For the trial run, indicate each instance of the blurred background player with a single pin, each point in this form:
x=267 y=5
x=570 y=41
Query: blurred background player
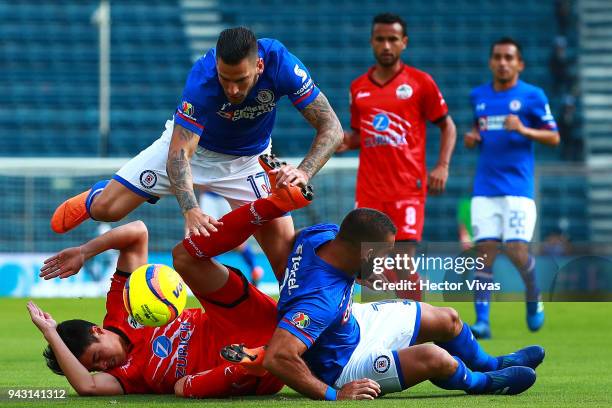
x=222 y=125
x=181 y=357
x=390 y=107
x=216 y=206
x=509 y=116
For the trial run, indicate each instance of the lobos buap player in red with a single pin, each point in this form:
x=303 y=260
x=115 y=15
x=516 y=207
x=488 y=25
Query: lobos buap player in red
x=390 y=107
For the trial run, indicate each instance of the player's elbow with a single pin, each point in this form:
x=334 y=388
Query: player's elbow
x=555 y=139
x=86 y=390
x=275 y=359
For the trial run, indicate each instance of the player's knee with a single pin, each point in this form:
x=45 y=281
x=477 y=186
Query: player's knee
x=180 y=258
x=101 y=209
x=439 y=362
x=448 y=323
x=179 y=387
x=453 y=321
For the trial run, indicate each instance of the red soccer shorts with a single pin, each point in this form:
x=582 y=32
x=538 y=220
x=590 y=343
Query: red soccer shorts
x=407 y=214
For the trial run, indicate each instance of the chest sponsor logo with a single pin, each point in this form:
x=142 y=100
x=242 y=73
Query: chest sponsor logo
x=382 y=364
x=385 y=129
x=249 y=112
x=300 y=73
x=185 y=332
x=381 y=122
x=404 y=91
x=493 y=122
x=301 y=320
x=515 y=105
x=265 y=96
x=162 y=346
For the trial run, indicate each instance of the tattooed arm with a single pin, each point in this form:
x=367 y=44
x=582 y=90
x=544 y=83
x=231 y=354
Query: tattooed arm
x=183 y=145
x=329 y=136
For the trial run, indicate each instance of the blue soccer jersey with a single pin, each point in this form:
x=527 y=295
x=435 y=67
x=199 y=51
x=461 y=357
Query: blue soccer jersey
x=315 y=305
x=506 y=161
x=243 y=129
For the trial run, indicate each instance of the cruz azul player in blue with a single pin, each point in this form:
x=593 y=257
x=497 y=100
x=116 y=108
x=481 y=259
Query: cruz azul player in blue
x=509 y=116
x=222 y=124
x=326 y=347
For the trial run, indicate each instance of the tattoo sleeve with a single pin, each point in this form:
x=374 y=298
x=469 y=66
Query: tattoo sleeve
x=178 y=168
x=329 y=134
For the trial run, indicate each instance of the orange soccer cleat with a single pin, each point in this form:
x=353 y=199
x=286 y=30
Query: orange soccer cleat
x=70 y=213
x=250 y=359
x=285 y=198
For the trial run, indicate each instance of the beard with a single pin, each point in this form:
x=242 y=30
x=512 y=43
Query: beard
x=387 y=61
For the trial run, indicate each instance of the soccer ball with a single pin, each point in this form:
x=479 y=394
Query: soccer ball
x=154 y=295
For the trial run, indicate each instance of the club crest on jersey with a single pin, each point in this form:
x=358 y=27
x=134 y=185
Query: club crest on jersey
x=404 y=91
x=265 y=96
x=382 y=364
x=380 y=122
x=515 y=105
x=162 y=346
x=148 y=179
x=187 y=108
x=300 y=320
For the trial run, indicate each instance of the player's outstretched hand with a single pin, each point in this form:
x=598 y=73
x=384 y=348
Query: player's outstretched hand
x=42 y=320
x=63 y=264
x=359 y=389
x=289 y=175
x=436 y=182
x=198 y=223
x=471 y=139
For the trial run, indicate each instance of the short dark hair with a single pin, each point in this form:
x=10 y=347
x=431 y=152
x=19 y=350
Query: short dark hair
x=507 y=41
x=77 y=336
x=389 y=18
x=235 y=44
x=365 y=225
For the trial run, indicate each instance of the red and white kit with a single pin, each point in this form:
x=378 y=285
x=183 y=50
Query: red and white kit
x=391 y=119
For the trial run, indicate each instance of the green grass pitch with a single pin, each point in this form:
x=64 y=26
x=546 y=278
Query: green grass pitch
x=575 y=373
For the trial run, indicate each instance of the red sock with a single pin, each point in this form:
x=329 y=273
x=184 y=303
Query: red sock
x=416 y=294
x=237 y=226
x=226 y=380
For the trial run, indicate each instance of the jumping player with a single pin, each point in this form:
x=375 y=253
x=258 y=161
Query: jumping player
x=324 y=350
x=390 y=107
x=181 y=357
x=221 y=126
x=509 y=116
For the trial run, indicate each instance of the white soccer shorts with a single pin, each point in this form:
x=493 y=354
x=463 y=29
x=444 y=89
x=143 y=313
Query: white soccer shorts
x=505 y=218
x=239 y=179
x=384 y=327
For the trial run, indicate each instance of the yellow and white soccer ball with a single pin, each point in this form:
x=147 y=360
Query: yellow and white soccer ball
x=154 y=295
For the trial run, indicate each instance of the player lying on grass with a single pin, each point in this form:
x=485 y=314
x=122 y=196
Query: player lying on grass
x=324 y=349
x=182 y=357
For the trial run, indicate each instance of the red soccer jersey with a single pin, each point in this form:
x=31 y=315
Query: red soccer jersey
x=159 y=356
x=391 y=119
